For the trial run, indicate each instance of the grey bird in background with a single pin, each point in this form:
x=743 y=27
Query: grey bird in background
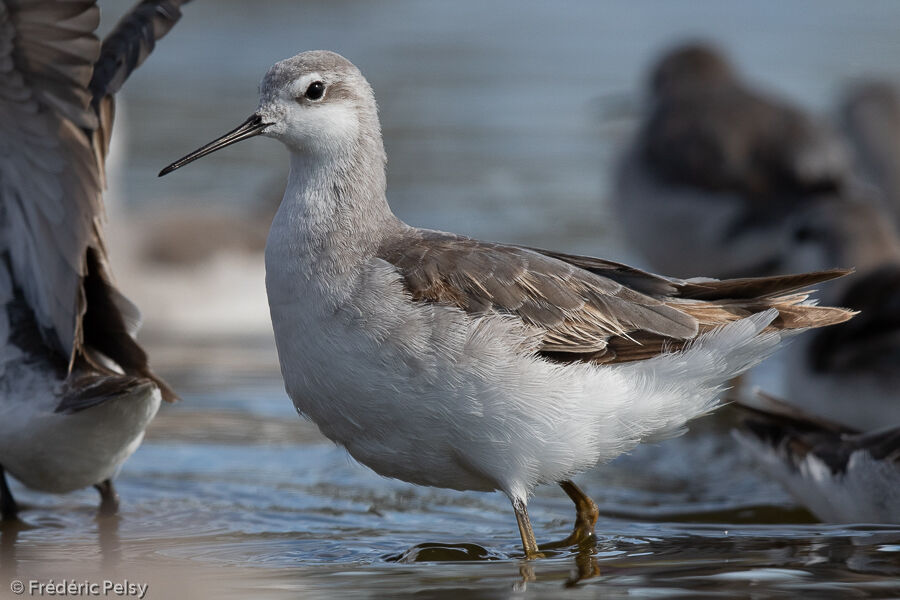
x=717 y=168
x=860 y=359
x=447 y=361
x=851 y=374
x=76 y=390
x=869 y=116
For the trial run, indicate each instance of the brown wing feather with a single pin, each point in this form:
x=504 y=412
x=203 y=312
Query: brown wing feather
x=50 y=187
x=754 y=287
x=584 y=306
x=636 y=279
x=124 y=49
x=579 y=310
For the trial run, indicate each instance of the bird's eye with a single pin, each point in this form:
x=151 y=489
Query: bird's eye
x=315 y=91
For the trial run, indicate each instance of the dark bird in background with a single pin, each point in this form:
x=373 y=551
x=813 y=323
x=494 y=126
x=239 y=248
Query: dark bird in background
x=869 y=116
x=717 y=170
x=732 y=181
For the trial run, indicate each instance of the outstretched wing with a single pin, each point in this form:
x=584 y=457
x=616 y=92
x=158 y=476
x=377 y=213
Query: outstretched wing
x=123 y=51
x=49 y=180
x=588 y=309
x=55 y=117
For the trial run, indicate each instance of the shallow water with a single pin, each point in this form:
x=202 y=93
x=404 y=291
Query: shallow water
x=500 y=120
x=232 y=494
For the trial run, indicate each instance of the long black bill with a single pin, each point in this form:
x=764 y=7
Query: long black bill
x=249 y=128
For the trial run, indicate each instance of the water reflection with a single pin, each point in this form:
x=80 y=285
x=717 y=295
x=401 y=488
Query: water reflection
x=493 y=135
x=109 y=541
x=14 y=542
x=9 y=534
x=290 y=515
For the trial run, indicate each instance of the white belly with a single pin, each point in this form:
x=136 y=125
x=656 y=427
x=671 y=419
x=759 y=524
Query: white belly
x=58 y=453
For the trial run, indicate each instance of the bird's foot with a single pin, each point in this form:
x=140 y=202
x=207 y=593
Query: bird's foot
x=586 y=515
x=579 y=537
x=109 y=499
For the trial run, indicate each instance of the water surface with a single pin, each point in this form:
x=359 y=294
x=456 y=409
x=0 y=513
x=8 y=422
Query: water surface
x=233 y=494
x=501 y=120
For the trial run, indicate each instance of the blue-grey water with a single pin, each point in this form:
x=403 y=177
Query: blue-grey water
x=501 y=120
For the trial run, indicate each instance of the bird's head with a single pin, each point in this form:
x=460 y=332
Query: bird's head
x=316 y=103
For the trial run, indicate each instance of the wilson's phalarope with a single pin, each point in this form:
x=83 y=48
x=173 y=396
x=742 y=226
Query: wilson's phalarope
x=446 y=361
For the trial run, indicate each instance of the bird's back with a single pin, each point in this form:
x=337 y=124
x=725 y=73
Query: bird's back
x=730 y=139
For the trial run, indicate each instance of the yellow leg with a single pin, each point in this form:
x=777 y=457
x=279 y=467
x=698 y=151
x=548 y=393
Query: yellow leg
x=529 y=544
x=586 y=515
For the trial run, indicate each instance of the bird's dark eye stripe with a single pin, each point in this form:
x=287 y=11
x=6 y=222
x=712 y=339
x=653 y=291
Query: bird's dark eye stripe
x=315 y=90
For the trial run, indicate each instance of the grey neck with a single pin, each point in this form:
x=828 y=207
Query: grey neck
x=334 y=214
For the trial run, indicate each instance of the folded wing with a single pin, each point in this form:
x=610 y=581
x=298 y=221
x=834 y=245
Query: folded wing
x=589 y=309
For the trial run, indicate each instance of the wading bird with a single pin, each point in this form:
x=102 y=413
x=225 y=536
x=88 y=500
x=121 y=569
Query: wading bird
x=839 y=473
x=446 y=361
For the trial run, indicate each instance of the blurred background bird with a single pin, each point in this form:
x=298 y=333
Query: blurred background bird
x=76 y=391
x=737 y=181
x=869 y=117
x=840 y=473
x=717 y=170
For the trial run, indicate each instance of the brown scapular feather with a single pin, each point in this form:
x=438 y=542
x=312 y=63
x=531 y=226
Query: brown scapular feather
x=591 y=309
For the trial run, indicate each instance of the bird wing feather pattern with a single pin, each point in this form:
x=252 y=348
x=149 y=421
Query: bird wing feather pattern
x=55 y=118
x=589 y=309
